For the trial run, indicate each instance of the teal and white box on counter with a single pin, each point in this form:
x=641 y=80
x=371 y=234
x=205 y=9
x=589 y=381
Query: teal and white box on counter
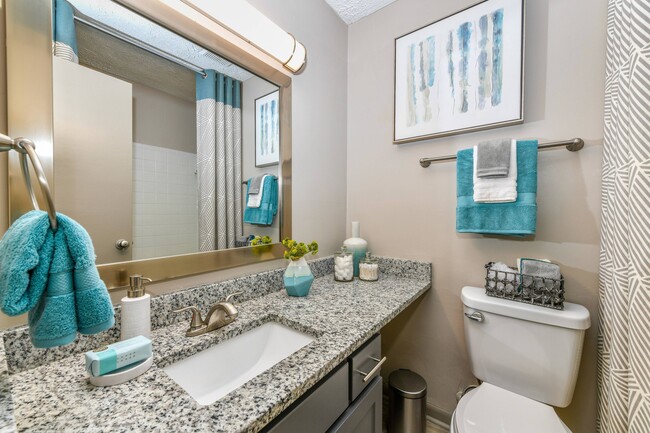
x=118 y=355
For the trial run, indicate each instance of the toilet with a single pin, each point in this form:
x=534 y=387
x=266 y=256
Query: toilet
x=527 y=359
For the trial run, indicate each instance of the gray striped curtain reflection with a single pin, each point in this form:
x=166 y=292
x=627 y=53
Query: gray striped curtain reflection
x=218 y=127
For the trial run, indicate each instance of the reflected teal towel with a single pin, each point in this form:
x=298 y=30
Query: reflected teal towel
x=264 y=214
x=54 y=277
x=518 y=218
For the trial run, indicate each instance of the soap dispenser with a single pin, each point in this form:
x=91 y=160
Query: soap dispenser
x=356 y=246
x=136 y=309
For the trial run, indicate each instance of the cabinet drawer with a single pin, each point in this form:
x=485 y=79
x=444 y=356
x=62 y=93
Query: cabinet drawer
x=361 y=365
x=318 y=411
x=364 y=414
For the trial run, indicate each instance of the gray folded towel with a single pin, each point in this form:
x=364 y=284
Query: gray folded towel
x=493 y=158
x=539 y=268
x=255 y=183
x=503 y=277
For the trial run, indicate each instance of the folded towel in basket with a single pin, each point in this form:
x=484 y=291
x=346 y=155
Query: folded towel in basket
x=502 y=277
x=531 y=268
x=52 y=275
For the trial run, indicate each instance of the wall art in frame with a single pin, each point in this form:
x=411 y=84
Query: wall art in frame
x=462 y=73
x=267 y=129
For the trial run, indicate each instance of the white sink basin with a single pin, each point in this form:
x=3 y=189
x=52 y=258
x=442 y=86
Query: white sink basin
x=214 y=372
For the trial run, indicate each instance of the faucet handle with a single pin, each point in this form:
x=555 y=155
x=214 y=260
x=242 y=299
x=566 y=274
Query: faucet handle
x=232 y=295
x=197 y=321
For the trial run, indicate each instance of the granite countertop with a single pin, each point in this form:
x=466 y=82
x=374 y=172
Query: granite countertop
x=52 y=393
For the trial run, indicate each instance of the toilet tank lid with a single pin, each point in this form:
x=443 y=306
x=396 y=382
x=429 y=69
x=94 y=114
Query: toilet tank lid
x=573 y=316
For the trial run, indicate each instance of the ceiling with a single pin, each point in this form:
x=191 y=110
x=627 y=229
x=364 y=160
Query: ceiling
x=351 y=11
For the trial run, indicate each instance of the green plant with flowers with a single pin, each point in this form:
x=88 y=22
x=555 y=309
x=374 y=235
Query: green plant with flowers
x=264 y=240
x=296 y=250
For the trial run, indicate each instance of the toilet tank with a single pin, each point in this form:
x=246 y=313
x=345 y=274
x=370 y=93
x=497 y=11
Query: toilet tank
x=529 y=350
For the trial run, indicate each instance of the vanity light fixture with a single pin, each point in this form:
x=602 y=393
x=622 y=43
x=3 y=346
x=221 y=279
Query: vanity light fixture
x=255 y=28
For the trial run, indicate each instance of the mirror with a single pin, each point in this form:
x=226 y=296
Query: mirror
x=156 y=140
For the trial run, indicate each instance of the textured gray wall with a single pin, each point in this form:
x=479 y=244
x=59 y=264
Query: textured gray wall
x=407 y=211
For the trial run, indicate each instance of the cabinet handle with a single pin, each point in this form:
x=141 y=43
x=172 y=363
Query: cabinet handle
x=376 y=368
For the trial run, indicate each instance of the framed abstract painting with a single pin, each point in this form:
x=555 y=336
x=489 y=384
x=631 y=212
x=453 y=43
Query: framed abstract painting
x=267 y=129
x=462 y=73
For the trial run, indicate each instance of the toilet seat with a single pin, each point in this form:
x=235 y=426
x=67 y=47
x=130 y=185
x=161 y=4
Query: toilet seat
x=490 y=409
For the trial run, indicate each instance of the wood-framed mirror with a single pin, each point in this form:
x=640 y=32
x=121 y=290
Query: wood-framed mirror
x=94 y=192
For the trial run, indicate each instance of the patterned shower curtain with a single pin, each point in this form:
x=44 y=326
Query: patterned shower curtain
x=218 y=127
x=624 y=333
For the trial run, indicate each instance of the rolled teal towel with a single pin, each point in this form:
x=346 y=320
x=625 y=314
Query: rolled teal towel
x=265 y=213
x=64 y=25
x=70 y=297
x=518 y=218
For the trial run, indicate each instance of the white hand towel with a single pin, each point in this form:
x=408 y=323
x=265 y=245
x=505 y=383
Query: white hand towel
x=497 y=190
x=254 y=200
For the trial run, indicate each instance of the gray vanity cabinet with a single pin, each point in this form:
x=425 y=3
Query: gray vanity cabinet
x=364 y=414
x=342 y=402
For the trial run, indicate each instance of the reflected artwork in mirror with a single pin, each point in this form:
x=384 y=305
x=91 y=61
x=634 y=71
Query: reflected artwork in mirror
x=154 y=141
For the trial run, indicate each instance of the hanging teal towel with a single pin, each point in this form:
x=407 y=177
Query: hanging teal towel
x=54 y=277
x=264 y=214
x=518 y=218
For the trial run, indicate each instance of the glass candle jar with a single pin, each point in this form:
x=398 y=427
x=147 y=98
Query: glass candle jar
x=368 y=268
x=343 y=266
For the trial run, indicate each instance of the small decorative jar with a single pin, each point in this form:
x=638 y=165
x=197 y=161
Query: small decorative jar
x=343 y=265
x=368 y=268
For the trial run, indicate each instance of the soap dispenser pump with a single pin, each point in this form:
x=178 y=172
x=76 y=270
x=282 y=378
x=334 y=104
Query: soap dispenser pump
x=136 y=309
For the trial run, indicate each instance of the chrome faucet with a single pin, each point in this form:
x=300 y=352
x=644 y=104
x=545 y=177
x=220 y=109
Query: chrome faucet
x=219 y=315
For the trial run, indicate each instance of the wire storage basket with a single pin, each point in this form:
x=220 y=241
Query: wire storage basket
x=530 y=289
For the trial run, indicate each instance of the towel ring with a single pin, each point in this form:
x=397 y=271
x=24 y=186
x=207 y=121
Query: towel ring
x=27 y=149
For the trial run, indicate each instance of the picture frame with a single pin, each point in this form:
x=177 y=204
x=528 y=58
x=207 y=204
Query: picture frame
x=462 y=73
x=267 y=129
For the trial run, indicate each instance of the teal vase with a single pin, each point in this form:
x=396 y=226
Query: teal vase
x=298 y=278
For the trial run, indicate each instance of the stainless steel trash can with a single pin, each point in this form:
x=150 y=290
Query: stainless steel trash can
x=407 y=402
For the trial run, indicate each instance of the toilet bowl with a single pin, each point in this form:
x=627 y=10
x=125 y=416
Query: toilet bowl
x=490 y=409
x=527 y=358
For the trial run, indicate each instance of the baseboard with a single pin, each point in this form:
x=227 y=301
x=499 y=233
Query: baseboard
x=438 y=416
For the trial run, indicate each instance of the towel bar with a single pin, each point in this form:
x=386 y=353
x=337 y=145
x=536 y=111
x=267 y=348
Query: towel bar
x=573 y=145
x=26 y=148
x=245 y=182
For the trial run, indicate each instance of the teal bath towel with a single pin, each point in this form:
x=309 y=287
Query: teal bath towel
x=264 y=214
x=52 y=275
x=518 y=218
